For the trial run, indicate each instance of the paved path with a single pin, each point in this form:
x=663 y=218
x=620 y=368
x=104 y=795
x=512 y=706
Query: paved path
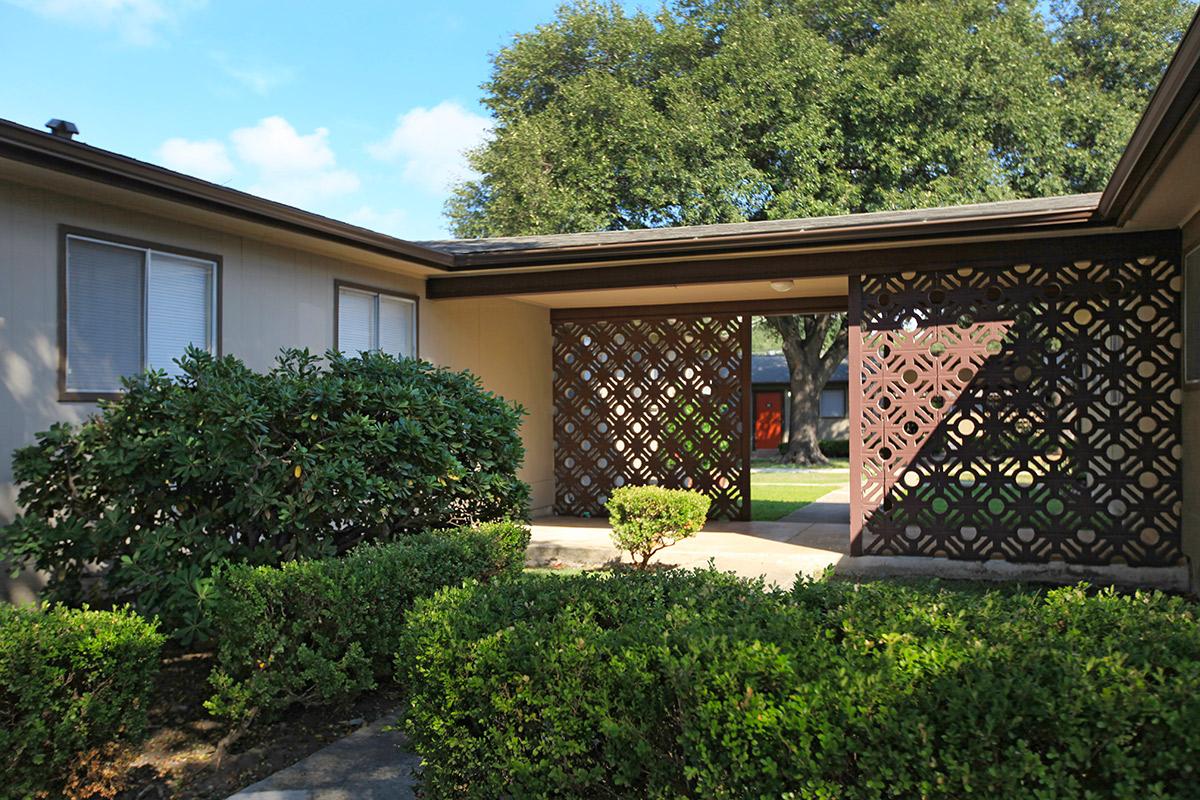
x=829 y=509
x=774 y=550
x=369 y=764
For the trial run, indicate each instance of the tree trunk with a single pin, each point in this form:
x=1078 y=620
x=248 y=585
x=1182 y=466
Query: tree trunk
x=810 y=365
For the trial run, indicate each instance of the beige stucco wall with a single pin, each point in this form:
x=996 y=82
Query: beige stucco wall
x=273 y=297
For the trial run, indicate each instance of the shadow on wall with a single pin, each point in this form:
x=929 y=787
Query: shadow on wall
x=28 y=404
x=1028 y=413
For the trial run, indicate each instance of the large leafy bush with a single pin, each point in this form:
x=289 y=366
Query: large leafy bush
x=74 y=686
x=698 y=684
x=306 y=460
x=324 y=630
x=646 y=519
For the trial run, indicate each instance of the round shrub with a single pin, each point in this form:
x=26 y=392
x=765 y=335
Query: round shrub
x=74 y=686
x=646 y=519
x=225 y=463
x=698 y=684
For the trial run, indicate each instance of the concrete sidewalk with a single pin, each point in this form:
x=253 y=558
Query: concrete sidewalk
x=777 y=551
x=369 y=764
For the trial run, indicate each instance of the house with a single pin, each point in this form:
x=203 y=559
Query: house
x=1024 y=376
x=769 y=380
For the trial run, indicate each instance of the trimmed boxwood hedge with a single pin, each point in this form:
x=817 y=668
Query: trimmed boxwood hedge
x=699 y=684
x=320 y=631
x=74 y=688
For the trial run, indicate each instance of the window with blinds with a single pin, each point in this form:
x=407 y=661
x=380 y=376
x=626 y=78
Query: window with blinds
x=833 y=403
x=369 y=320
x=131 y=308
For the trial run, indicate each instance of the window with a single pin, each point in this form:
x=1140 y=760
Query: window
x=833 y=403
x=373 y=319
x=130 y=307
x=1191 y=317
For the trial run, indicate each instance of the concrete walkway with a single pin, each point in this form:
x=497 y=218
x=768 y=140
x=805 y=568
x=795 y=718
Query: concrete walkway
x=369 y=764
x=778 y=551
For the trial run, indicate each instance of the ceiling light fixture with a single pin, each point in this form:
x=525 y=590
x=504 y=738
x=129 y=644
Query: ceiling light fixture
x=782 y=286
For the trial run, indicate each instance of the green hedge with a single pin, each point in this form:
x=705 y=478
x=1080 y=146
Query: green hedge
x=319 y=631
x=225 y=463
x=835 y=448
x=703 y=685
x=72 y=684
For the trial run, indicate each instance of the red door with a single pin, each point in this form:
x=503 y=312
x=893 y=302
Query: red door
x=768 y=420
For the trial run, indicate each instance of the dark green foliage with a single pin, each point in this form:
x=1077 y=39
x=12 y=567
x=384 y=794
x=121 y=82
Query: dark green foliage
x=699 y=684
x=307 y=460
x=835 y=448
x=72 y=684
x=645 y=519
x=320 y=631
x=710 y=111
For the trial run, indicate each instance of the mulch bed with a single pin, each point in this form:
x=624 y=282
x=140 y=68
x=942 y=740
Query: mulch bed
x=176 y=760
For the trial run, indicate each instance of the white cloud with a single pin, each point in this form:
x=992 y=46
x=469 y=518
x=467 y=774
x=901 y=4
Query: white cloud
x=278 y=161
x=206 y=159
x=258 y=77
x=138 y=22
x=431 y=144
x=395 y=222
x=292 y=167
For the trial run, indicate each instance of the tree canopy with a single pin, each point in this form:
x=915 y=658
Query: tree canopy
x=714 y=111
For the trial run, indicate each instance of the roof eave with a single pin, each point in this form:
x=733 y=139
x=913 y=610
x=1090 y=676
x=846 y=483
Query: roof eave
x=29 y=146
x=1173 y=110
x=1010 y=223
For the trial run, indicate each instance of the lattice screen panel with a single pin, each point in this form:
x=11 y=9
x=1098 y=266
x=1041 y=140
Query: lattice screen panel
x=650 y=401
x=1029 y=413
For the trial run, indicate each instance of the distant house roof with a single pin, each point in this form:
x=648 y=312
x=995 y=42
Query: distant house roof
x=774 y=369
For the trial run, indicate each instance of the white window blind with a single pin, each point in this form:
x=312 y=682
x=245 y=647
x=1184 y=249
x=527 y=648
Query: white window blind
x=397 y=326
x=178 y=309
x=132 y=308
x=105 y=285
x=833 y=402
x=370 y=321
x=356 y=321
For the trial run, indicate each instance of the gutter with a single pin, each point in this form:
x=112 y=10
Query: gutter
x=45 y=150
x=1172 y=113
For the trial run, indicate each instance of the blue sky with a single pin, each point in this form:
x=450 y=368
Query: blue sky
x=356 y=110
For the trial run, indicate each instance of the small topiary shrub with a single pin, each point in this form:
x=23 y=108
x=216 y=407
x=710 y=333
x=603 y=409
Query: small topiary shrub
x=699 y=684
x=320 y=631
x=225 y=463
x=74 y=686
x=646 y=519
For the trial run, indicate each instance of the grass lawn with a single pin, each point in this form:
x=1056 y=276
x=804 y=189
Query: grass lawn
x=777 y=493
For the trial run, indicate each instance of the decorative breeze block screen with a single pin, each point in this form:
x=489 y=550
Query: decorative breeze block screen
x=1027 y=412
x=650 y=401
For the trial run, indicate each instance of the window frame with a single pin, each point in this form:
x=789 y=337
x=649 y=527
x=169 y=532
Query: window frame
x=845 y=390
x=339 y=284
x=65 y=234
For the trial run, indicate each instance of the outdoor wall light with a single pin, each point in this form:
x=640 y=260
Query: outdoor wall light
x=782 y=286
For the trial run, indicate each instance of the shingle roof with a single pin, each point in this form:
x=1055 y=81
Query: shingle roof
x=779 y=226
x=773 y=368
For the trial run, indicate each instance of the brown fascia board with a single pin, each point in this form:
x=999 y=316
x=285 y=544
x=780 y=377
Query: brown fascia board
x=806 y=265
x=913 y=229
x=45 y=150
x=1172 y=112
x=31 y=146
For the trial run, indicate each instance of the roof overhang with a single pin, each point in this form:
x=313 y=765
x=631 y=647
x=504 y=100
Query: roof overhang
x=29 y=146
x=1169 y=120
